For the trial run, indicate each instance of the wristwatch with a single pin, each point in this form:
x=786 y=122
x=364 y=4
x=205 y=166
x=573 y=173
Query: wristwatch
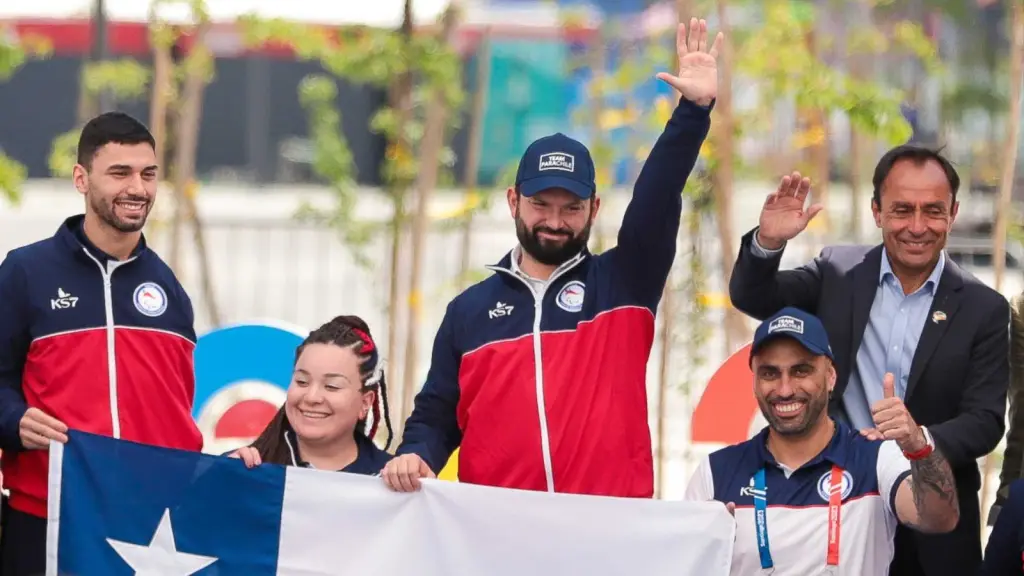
x=923 y=452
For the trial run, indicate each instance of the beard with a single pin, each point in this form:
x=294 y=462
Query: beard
x=552 y=252
x=106 y=212
x=813 y=408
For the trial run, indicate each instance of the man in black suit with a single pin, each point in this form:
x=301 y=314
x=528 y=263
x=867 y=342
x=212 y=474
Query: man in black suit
x=903 y=308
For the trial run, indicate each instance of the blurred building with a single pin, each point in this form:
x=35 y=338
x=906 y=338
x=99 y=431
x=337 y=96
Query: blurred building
x=254 y=129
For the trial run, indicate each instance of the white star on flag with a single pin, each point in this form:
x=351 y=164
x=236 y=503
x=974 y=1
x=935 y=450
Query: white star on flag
x=161 y=557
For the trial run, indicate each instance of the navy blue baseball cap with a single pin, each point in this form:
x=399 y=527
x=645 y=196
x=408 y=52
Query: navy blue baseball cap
x=793 y=323
x=556 y=161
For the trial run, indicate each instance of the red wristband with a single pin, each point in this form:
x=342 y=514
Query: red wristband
x=920 y=454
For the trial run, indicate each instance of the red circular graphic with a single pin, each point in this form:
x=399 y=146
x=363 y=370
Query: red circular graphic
x=246 y=419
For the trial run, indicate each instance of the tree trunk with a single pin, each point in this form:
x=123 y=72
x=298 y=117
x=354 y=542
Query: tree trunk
x=473 y=150
x=603 y=161
x=430 y=155
x=684 y=10
x=1009 y=173
x=1010 y=146
x=819 y=153
x=723 y=178
x=162 y=68
x=188 y=124
x=401 y=101
x=860 y=18
x=158 y=103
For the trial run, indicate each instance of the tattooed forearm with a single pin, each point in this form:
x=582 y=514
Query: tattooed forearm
x=935 y=498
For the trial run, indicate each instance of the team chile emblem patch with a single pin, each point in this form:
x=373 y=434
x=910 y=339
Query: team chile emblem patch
x=150 y=299
x=825 y=485
x=570 y=298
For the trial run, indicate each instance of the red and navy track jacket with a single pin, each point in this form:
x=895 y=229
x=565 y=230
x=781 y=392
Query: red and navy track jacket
x=103 y=345
x=548 y=391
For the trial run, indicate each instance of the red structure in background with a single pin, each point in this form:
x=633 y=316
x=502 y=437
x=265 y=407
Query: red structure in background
x=727 y=407
x=73 y=37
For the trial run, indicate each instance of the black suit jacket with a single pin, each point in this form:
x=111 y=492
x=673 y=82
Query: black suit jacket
x=958 y=378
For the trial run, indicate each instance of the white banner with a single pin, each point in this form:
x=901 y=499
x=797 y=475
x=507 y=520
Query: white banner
x=450 y=529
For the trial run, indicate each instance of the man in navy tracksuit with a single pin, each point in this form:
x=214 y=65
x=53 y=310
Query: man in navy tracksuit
x=96 y=334
x=538 y=373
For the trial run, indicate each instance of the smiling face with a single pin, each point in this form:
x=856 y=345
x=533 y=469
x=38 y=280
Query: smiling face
x=120 y=185
x=554 y=225
x=916 y=213
x=326 y=398
x=792 y=386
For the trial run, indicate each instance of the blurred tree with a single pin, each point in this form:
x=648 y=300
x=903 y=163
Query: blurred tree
x=415 y=69
x=175 y=91
x=438 y=114
x=796 y=71
x=13 y=55
x=195 y=71
x=1004 y=209
x=722 y=171
x=124 y=80
x=475 y=201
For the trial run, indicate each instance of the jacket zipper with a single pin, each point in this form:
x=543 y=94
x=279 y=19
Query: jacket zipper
x=538 y=300
x=108 y=307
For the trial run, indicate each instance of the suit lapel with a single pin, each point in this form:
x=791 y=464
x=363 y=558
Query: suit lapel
x=947 y=301
x=865 y=285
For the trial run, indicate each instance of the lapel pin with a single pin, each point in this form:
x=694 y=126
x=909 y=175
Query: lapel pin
x=938 y=316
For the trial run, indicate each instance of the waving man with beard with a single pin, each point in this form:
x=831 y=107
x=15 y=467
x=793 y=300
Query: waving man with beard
x=538 y=372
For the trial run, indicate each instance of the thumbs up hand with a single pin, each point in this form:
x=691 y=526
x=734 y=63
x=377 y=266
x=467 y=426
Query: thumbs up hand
x=894 y=422
x=888 y=386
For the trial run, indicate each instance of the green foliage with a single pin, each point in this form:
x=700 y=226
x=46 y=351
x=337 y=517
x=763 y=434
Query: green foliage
x=332 y=161
x=785 y=68
x=64 y=154
x=961 y=98
x=125 y=80
x=373 y=57
x=14 y=55
x=12 y=176
x=694 y=309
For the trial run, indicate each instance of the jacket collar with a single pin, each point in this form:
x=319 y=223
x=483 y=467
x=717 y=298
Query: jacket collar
x=930 y=285
x=364 y=448
x=509 y=264
x=72 y=234
x=835 y=452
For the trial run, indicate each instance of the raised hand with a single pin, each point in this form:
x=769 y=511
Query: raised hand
x=697 y=79
x=783 y=215
x=894 y=422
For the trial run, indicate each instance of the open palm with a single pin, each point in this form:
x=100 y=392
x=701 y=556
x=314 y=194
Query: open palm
x=697 y=79
x=783 y=215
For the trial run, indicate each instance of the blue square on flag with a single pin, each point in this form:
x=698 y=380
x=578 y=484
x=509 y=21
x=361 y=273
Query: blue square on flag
x=118 y=507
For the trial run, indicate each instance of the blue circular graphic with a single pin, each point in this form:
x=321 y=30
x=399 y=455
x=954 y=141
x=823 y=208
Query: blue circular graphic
x=241 y=352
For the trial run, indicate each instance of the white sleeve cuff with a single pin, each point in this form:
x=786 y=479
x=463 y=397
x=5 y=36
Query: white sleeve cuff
x=762 y=252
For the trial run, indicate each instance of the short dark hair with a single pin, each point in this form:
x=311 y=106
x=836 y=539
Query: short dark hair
x=108 y=127
x=918 y=155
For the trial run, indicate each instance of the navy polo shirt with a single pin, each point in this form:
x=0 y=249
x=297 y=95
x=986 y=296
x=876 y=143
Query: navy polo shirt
x=797 y=503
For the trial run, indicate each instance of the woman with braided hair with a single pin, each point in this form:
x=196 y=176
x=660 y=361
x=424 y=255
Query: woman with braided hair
x=331 y=410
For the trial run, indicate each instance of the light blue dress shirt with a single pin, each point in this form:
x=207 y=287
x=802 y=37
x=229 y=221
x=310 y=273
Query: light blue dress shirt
x=890 y=338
